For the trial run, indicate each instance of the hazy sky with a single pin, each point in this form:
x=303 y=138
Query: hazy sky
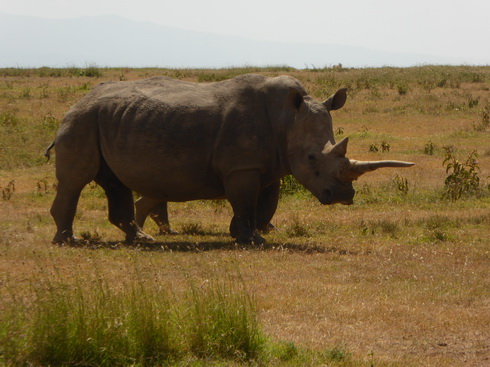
x=449 y=28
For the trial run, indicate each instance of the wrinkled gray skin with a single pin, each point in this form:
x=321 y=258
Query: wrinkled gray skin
x=178 y=141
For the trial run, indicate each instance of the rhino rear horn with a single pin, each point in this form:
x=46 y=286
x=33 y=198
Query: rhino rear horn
x=339 y=149
x=358 y=168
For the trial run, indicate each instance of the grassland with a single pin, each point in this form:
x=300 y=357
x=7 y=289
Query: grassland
x=400 y=278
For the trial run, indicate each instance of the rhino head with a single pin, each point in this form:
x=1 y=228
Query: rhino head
x=315 y=160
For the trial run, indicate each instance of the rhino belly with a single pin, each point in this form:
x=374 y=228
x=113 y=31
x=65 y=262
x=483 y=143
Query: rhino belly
x=169 y=182
x=164 y=170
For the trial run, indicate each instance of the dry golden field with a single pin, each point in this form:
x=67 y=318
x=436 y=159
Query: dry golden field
x=400 y=278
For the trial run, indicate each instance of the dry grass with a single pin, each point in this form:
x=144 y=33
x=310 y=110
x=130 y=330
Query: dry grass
x=394 y=279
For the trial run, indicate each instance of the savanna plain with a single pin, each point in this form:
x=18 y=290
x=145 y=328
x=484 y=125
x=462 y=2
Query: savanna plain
x=399 y=278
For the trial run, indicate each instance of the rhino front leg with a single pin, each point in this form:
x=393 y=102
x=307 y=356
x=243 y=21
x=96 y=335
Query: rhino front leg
x=242 y=191
x=266 y=208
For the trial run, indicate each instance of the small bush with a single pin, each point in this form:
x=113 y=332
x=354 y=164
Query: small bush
x=401 y=184
x=8 y=190
x=429 y=148
x=463 y=178
x=402 y=88
x=385 y=147
x=91 y=71
x=290 y=186
x=339 y=131
x=484 y=122
x=297 y=228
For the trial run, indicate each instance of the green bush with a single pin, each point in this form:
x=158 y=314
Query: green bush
x=463 y=179
x=290 y=186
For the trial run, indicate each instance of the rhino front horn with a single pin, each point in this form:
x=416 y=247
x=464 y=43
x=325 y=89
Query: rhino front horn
x=360 y=167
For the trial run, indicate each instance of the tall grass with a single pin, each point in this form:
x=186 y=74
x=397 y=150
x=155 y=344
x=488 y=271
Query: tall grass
x=138 y=323
x=223 y=322
x=91 y=321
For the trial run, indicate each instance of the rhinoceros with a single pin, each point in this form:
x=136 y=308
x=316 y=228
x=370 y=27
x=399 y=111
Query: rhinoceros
x=173 y=140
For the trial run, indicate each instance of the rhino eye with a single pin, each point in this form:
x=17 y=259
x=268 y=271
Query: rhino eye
x=311 y=157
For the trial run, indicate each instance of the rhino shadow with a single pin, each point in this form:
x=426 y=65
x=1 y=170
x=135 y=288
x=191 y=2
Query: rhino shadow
x=204 y=246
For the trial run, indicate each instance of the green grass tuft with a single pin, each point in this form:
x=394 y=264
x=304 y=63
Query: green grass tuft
x=61 y=323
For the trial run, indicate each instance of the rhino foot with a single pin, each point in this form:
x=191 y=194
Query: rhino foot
x=256 y=240
x=167 y=230
x=267 y=228
x=65 y=238
x=140 y=236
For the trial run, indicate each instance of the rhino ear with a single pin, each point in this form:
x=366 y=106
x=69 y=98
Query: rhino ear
x=337 y=100
x=295 y=100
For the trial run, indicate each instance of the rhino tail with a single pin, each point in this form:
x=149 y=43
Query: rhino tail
x=47 y=152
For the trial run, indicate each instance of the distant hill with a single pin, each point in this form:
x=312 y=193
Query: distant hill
x=113 y=41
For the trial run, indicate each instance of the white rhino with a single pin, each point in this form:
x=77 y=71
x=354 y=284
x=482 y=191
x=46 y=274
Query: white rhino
x=171 y=140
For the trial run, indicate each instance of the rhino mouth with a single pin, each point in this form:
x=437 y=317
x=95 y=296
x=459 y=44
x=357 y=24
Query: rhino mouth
x=328 y=198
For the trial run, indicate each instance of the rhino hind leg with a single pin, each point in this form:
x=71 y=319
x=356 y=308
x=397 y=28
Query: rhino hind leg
x=63 y=212
x=159 y=214
x=72 y=174
x=157 y=210
x=121 y=205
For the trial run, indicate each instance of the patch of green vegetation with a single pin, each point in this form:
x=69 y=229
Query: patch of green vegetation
x=94 y=323
x=463 y=179
x=387 y=227
x=22 y=141
x=291 y=186
x=140 y=324
x=193 y=228
x=297 y=228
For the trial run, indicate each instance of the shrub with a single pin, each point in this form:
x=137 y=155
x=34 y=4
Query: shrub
x=483 y=124
x=8 y=190
x=290 y=186
x=429 y=148
x=463 y=178
x=401 y=184
x=402 y=87
x=91 y=71
x=297 y=228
